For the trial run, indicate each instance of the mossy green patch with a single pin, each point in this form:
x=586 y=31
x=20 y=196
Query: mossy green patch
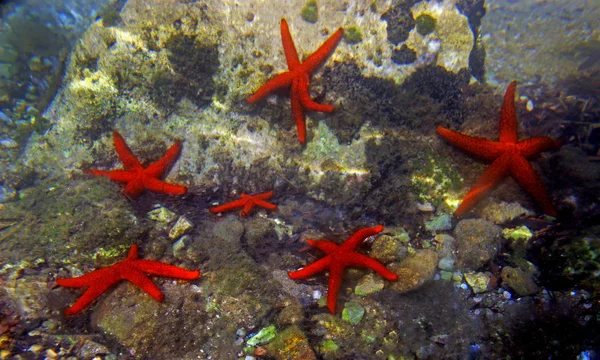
x=425 y=24
x=310 y=12
x=433 y=181
x=352 y=35
x=263 y=336
x=353 y=312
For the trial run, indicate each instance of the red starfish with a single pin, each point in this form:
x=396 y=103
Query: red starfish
x=339 y=257
x=130 y=269
x=509 y=156
x=139 y=178
x=298 y=77
x=247 y=203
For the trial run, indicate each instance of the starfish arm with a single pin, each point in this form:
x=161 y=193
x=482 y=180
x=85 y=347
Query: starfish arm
x=115 y=175
x=306 y=101
x=162 y=269
x=480 y=147
x=143 y=282
x=360 y=260
x=89 y=296
x=494 y=173
x=291 y=55
x=248 y=206
x=298 y=112
x=359 y=236
x=124 y=152
x=524 y=174
x=106 y=274
x=508 y=116
x=134 y=188
x=262 y=196
x=229 y=206
x=132 y=254
x=279 y=82
x=157 y=168
x=325 y=246
x=335 y=282
x=265 y=204
x=536 y=145
x=311 y=269
x=162 y=187
x=323 y=52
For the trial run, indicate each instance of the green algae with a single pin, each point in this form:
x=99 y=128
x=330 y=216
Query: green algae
x=352 y=35
x=353 y=312
x=328 y=346
x=520 y=233
x=425 y=24
x=435 y=181
x=310 y=12
x=263 y=336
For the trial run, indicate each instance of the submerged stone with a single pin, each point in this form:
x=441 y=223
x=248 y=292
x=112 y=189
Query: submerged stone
x=477 y=242
x=161 y=214
x=353 y=312
x=369 y=284
x=182 y=226
x=291 y=343
x=520 y=281
x=439 y=223
x=414 y=271
x=263 y=336
x=479 y=282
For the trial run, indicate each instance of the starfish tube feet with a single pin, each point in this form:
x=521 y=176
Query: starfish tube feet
x=338 y=258
x=131 y=269
x=508 y=156
x=297 y=78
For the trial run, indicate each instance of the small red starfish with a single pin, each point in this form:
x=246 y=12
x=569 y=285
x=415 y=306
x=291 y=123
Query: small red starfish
x=298 y=77
x=130 y=269
x=139 y=178
x=509 y=156
x=339 y=257
x=247 y=203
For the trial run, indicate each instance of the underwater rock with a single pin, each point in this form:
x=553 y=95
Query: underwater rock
x=263 y=336
x=477 y=242
x=182 y=226
x=291 y=343
x=503 y=212
x=442 y=33
x=161 y=215
x=414 y=271
x=387 y=248
x=520 y=281
x=439 y=223
x=353 y=312
x=478 y=282
x=369 y=284
x=292 y=313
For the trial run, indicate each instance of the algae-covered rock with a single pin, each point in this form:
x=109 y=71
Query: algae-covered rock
x=390 y=248
x=369 y=284
x=442 y=24
x=414 y=271
x=439 y=223
x=477 y=242
x=353 y=312
x=504 y=212
x=520 y=281
x=478 y=282
x=289 y=344
x=263 y=336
